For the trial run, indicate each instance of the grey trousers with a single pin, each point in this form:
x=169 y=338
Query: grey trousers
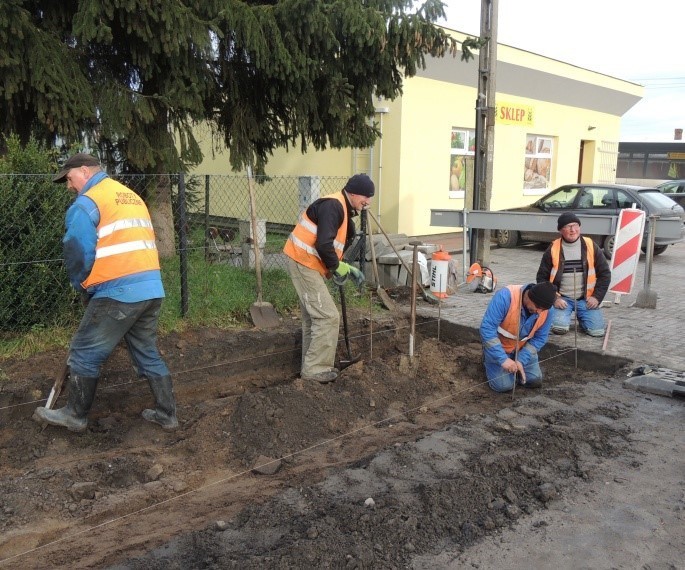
x=320 y=319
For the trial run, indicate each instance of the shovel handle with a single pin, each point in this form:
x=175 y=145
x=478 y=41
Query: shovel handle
x=58 y=386
x=343 y=305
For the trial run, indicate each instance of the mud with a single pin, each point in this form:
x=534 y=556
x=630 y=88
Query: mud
x=397 y=463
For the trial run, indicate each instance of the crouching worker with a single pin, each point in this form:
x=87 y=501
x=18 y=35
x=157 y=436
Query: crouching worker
x=581 y=274
x=111 y=259
x=518 y=313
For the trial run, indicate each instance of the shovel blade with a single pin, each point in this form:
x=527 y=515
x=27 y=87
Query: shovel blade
x=344 y=363
x=388 y=303
x=264 y=316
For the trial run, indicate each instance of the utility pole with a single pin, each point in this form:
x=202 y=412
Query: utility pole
x=479 y=246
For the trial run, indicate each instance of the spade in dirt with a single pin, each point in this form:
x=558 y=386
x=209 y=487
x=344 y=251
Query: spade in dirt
x=388 y=303
x=263 y=314
x=350 y=360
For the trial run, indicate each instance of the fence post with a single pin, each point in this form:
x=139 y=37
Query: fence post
x=309 y=190
x=183 y=243
x=206 y=228
x=362 y=249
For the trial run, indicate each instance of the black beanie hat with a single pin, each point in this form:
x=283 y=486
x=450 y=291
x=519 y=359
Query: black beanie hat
x=361 y=185
x=543 y=294
x=567 y=218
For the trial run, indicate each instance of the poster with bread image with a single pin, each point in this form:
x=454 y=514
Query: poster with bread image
x=538 y=162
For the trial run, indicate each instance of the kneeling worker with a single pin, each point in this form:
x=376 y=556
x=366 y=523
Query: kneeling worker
x=517 y=313
x=565 y=257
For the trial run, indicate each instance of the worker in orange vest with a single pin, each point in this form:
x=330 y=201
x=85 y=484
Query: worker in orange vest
x=315 y=249
x=581 y=275
x=111 y=258
x=514 y=329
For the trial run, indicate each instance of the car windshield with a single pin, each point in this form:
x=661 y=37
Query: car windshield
x=561 y=198
x=668 y=187
x=657 y=199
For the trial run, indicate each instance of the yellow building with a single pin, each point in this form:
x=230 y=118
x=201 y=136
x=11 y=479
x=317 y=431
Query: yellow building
x=556 y=124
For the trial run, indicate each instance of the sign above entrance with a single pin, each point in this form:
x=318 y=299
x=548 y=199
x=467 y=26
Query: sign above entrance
x=513 y=114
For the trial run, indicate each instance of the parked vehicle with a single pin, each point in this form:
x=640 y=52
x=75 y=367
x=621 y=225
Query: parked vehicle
x=596 y=199
x=674 y=189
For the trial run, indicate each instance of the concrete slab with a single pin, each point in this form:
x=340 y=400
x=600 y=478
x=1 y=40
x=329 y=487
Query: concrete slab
x=651 y=384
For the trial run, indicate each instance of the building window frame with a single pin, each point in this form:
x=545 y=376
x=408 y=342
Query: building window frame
x=462 y=161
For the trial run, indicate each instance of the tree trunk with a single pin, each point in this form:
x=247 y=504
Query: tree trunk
x=161 y=212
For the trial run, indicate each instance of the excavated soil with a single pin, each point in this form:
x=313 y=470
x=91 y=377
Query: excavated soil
x=398 y=460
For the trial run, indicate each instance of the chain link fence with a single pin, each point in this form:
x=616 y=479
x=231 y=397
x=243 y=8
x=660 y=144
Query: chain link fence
x=204 y=233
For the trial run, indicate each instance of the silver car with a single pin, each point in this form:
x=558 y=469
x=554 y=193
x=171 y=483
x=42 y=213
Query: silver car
x=596 y=199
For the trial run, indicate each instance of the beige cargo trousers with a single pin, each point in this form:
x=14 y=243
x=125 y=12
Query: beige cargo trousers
x=320 y=320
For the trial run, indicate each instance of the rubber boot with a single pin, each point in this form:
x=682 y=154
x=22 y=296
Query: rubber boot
x=164 y=413
x=73 y=416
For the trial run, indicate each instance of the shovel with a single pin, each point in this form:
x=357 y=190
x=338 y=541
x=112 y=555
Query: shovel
x=342 y=364
x=426 y=296
x=388 y=303
x=263 y=314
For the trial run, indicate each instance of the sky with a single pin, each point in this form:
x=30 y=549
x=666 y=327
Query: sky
x=642 y=43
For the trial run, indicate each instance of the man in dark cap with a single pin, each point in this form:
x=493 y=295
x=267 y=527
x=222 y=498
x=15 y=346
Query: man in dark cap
x=581 y=275
x=315 y=248
x=514 y=329
x=111 y=259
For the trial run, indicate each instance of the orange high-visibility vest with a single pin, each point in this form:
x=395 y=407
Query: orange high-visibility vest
x=125 y=237
x=508 y=330
x=300 y=245
x=591 y=275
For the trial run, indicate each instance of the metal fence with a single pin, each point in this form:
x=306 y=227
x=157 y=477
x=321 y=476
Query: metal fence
x=202 y=223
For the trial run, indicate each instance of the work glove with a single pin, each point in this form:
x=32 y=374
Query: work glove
x=346 y=270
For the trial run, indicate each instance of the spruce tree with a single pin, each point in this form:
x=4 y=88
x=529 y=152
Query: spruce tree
x=133 y=78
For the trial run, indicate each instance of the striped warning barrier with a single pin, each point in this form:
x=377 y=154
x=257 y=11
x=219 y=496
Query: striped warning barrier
x=627 y=244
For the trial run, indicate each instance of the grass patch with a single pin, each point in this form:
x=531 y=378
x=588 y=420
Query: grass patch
x=219 y=295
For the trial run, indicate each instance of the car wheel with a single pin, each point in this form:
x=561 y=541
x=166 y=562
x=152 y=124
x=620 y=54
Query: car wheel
x=658 y=249
x=608 y=246
x=507 y=238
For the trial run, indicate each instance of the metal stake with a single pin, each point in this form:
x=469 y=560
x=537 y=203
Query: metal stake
x=440 y=306
x=518 y=336
x=575 y=320
x=371 y=325
x=414 y=264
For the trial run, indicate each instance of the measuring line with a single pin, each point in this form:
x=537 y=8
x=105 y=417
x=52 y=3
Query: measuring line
x=246 y=471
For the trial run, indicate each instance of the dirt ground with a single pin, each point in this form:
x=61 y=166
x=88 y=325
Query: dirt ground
x=401 y=463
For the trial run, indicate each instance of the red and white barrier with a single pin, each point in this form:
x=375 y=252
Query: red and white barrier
x=627 y=244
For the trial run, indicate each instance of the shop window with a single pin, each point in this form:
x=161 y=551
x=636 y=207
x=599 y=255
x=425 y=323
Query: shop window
x=462 y=152
x=537 y=170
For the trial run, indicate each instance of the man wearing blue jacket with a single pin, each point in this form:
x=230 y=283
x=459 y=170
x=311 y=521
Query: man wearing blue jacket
x=514 y=329
x=111 y=259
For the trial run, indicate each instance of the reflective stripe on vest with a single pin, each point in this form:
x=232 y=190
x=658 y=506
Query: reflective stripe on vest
x=125 y=236
x=509 y=328
x=301 y=243
x=591 y=274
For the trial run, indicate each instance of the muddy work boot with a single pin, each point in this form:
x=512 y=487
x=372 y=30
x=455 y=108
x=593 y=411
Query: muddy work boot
x=164 y=413
x=324 y=377
x=73 y=416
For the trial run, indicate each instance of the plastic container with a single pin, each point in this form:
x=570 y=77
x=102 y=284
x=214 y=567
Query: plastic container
x=439 y=264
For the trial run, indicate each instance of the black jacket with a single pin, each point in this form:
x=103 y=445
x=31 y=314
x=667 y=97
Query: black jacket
x=602 y=270
x=328 y=216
